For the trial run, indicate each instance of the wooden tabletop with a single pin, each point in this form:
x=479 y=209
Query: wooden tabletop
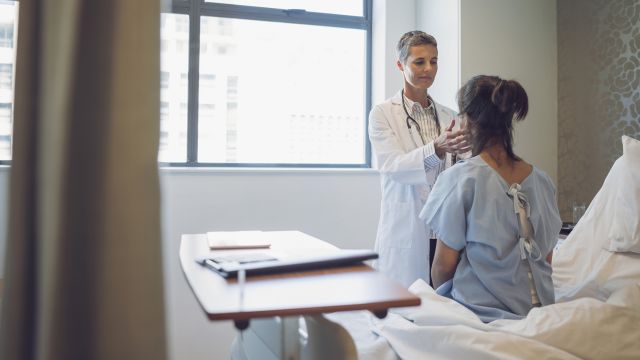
x=299 y=293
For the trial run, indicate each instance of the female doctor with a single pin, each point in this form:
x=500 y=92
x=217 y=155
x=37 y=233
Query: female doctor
x=413 y=139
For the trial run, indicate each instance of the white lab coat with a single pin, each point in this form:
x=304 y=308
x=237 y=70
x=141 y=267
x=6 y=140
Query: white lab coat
x=402 y=241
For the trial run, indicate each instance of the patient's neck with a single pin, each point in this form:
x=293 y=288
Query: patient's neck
x=510 y=169
x=496 y=155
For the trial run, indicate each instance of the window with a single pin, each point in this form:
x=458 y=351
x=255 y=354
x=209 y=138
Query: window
x=6 y=76
x=182 y=24
x=173 y=98
x=263 y=85
x=164 y=80
x=8 y=33
x=6 y=125
x=5 y=113
x=207 y=81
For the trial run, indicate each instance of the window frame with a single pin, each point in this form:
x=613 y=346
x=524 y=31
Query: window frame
x=195 y=9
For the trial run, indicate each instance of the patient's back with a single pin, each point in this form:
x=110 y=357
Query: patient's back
x=470 y=211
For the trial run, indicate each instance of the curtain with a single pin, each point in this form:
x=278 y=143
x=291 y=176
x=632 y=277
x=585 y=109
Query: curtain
x=83 y=276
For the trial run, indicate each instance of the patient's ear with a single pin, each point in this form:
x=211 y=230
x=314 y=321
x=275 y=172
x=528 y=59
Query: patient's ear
x=400 y=65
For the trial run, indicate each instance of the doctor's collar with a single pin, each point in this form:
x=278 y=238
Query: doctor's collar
x=411 y=104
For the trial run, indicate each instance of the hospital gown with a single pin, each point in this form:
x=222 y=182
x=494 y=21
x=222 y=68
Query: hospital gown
x=470 y=211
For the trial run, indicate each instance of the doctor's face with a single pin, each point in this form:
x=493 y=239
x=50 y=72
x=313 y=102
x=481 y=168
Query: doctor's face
x=421 y=66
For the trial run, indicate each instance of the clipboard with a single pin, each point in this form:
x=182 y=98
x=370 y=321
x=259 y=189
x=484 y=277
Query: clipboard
x=263 y=263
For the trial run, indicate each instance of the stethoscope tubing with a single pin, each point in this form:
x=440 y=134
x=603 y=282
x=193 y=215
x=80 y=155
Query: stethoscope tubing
x=415 y=123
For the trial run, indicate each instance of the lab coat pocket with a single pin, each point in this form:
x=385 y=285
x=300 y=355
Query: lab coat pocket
x=399 y=225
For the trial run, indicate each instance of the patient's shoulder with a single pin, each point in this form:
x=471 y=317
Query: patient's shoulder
x=542 y=177
x=463 y=176
x=468 y=168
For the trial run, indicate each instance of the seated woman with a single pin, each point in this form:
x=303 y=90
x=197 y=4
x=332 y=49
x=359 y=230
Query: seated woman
x=495 y=216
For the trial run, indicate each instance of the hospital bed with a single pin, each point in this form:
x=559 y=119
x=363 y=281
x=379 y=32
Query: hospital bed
x=596 y=314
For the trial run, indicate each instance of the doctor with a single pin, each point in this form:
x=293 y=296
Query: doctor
x=413 y=139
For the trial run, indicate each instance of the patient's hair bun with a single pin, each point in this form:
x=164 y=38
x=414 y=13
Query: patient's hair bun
x=510 y=98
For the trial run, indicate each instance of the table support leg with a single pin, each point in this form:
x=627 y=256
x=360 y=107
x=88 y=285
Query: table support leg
x=282 y=338
x=327 y=340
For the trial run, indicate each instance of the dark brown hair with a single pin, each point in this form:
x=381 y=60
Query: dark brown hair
x=491 y=104
x=413 y=38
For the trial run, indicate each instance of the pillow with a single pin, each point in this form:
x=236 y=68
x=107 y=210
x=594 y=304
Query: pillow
x=583 y=266
x=624 y=233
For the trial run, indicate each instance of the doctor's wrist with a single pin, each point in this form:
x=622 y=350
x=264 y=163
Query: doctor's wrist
x=431 y=159
x=439 y=151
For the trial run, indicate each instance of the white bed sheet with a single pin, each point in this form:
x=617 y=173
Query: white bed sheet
x=440 y=328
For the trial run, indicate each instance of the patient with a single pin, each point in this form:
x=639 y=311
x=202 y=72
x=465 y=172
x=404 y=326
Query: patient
x=495 y=215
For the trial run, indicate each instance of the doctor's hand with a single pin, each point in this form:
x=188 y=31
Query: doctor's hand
x=452 y=141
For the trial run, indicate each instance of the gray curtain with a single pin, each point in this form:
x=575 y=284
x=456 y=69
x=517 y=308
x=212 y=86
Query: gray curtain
x=83 y=276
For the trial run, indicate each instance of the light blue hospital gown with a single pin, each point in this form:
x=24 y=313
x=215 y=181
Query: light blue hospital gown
x=470 y=211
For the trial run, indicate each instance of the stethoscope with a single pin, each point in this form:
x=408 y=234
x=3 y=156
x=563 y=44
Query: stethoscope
x=410 y=119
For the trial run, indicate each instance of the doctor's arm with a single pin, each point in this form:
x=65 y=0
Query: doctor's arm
x=444 y=265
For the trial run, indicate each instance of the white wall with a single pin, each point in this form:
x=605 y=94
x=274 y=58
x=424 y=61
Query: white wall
x=441 y=19
x=517 y=39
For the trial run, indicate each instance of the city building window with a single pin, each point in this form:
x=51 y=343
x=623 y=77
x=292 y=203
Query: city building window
x=164 y=80
x=283 y=83
x=6 y=34
x=6 y=76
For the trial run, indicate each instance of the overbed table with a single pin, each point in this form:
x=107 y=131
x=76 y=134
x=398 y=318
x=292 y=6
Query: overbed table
x=280 y=299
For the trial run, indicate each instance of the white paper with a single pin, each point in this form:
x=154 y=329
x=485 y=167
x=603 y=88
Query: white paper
x=219 y=240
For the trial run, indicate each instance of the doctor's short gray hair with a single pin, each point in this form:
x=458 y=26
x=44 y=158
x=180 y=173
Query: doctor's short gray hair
x=413 y=38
